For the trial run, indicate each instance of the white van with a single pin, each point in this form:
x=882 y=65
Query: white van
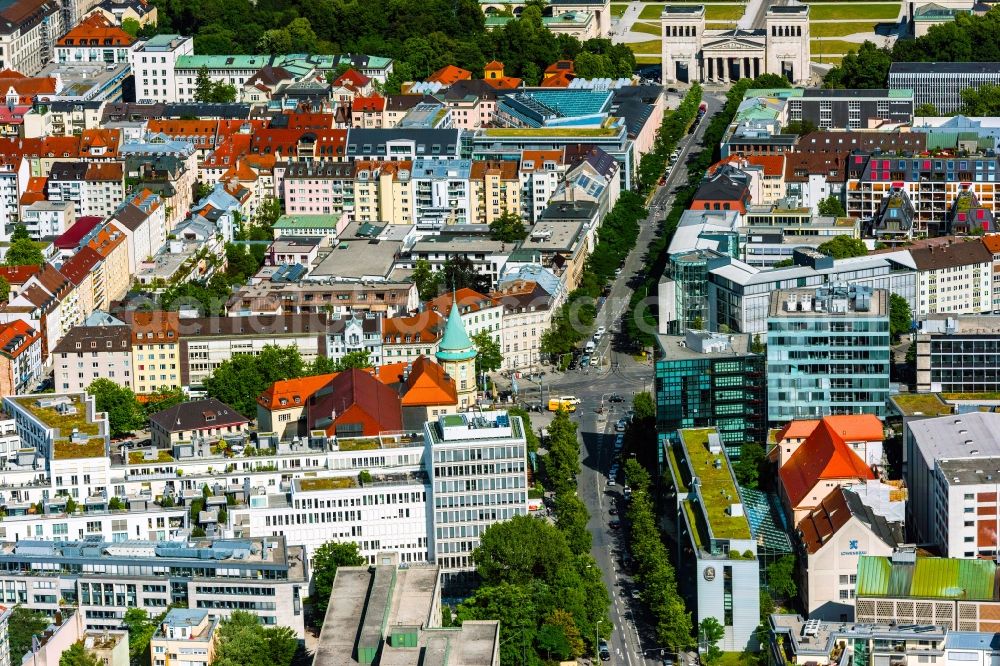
x=589 y=349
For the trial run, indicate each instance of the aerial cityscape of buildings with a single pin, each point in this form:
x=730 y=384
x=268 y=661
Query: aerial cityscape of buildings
x=319 y=355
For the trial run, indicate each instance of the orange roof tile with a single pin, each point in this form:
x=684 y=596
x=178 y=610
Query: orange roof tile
x=60 y=146
x=558 y=80
x=25 y=88
x=429 y=385
x=992 y=242
x=17 y=275
x=504 y=83
x=81 y=264
x=105 y=171
x=100 y=138
x=106 y=240
x=797 y=429
x=16 y=337
x=96 y=30
x=373 y=104
x=538 y=158
x=449 y=74
x=390 y=373
x=425 y=327
x=289 y=393
x=773 y=165
x=493 y=65
x=35 y=191
x=851 y=427
x=824 y=455
x=468 y=301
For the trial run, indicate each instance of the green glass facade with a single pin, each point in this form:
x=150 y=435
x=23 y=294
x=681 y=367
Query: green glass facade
x=726 y=391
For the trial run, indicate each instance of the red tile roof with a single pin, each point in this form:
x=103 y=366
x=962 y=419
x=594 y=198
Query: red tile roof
x=35 y=191
x=373 y=104
x=96 y=30
x=357 y=388
x=353 y=78
x=17 y=275
x=70 y=239
x=425 y=327
x=773 y=165
x=824 y=521
x=824 y=455
x=112 y=171
x=81 y=264
x=16 y=337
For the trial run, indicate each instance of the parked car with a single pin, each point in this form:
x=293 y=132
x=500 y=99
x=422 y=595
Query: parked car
x=615 y=524
x=599 y=332
x=602 y=649
x=614 y=397
x=619 y=427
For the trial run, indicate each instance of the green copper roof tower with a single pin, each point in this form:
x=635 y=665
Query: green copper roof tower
x=455 y=343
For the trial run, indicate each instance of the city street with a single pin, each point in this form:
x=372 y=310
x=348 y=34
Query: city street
x=618 y=373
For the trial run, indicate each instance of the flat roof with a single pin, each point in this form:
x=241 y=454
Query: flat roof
x=343 y=616
x=675 y=347
x=971 y=471
x=921 y=404
x=358 y=259
x=956 y=436
x=944 y=68
x=718 y=488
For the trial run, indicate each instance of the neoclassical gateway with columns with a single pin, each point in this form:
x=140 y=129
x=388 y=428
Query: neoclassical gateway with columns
x=691 y=53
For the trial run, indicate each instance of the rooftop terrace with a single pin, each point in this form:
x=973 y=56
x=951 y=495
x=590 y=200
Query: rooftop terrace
x=921 y=404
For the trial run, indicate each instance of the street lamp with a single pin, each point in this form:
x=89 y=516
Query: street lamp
x=597 y=639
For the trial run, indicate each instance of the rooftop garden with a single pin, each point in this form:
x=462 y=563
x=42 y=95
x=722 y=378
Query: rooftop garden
x=64 y=422
x=970 y=396
x=337 y=483
x=718 y=488
x=64 y=449
x=926 y=404
x=551 y=131
x=139 y=457
x=357 y=444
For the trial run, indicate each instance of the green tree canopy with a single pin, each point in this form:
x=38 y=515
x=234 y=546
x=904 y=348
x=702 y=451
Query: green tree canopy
x=750 y=465
x=710 y=632
x=141 y=628
x=781 y=577
x=239 y=380
x=427 y=280
x=24 y=252
x=981 y=101
x=843 y=247
x=868 y=67
x=77 y=655
x=509 y=228
x=4 y=290
x=460 y=273
x=125 y=414
x=831 y=206
x=324 y=365
x=900 y=317
x=22 y=625
x=325 y=562
x=489 y=358
x=244 y=641
x=926 y=109
x=20 y=233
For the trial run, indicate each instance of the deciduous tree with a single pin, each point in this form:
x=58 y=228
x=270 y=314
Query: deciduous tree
x=900 y=317
x=509 y=228
x=710 y=632
x=843 y=247
x=489 y=358
x=831 y=206
x=125 y=414
x=24 y=252
x=325 y=562
x=77 y=655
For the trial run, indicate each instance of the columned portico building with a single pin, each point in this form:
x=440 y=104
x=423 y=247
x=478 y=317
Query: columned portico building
x=691 y=53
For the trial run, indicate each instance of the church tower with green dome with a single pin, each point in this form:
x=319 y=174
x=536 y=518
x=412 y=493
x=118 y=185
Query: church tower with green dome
x=457 y=356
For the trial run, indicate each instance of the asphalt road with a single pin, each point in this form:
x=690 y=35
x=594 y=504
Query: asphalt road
x=619 y=373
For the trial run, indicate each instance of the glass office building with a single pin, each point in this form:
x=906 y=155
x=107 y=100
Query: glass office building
x=711 y=380
x=827 y=352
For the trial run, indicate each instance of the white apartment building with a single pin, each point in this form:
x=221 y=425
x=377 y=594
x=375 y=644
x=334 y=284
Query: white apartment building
x=540 y=172
x=476 y=465
x=89 y=353
x=153 y=66
x=28 y=35
x=360 y=332
x=45 y=219
x=954 y=277
x=951 y=471
x=149 y=524
x=45 y=422
x=13 y=181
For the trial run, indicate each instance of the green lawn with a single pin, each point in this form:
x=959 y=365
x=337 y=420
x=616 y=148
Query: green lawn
x=723 y=12
x=653 y=46
x=720 y=26
x=648 y=59
x=651 y=12
x=618 y=10
x=716 y=12
x=839 y=29
x=875 y=12
x=832 y=46
x=647 y=28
